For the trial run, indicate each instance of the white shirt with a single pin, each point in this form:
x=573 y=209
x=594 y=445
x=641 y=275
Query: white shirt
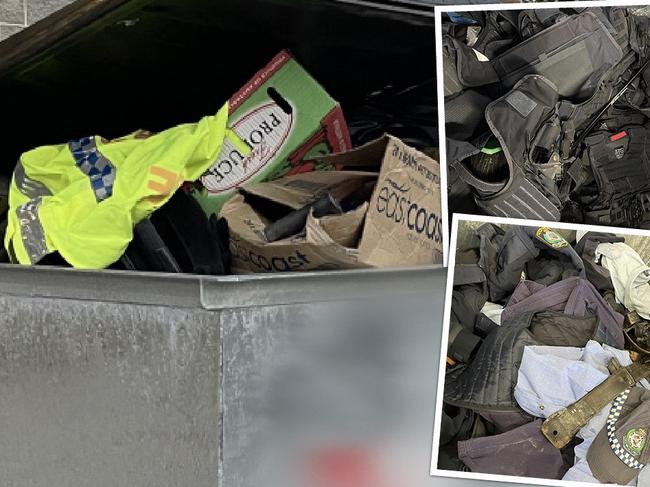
x=493 y=311
x=630 y=276
x=551 y=378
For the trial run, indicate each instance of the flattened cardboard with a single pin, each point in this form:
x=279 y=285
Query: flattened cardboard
x=399 y=226
x=317 y=249
x=404 y=220
x=404 y=217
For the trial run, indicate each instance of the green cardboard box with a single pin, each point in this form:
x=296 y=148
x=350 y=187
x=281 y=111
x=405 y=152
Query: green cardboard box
x=285 y=116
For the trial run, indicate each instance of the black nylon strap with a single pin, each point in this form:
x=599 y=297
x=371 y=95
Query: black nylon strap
x=463 y=345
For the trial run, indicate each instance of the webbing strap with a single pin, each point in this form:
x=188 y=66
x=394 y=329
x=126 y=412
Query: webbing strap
x=463 y=345
x=563 y=425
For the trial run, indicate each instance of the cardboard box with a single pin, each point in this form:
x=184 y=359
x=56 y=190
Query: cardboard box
x=285 y=116
x=400 y=225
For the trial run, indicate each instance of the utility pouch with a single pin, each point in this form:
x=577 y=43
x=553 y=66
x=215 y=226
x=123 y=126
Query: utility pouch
x=632 y=211
x=619 y=162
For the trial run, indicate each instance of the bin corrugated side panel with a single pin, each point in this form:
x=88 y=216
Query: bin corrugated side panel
x=107 y=394
x=123 y=379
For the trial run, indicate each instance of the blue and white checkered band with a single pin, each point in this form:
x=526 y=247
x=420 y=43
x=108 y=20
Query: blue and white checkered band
x=93 y=164
x=614 y=444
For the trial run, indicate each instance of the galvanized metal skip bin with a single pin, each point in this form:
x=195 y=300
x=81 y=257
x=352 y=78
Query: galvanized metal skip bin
x=112 y=378
x=121 y=379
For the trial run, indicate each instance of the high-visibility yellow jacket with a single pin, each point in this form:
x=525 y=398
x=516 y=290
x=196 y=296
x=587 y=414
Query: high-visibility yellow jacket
x=83 y=198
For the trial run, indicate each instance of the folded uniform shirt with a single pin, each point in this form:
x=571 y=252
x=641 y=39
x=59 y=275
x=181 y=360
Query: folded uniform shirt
x=573 y=296
x=630 y=276
x=552 y=378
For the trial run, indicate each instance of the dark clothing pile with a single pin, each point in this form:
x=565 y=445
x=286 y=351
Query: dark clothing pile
x=547 y=114
x=553 y=298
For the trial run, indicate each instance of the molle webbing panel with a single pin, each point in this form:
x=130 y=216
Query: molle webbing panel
x=619 y=162
x=521 y=199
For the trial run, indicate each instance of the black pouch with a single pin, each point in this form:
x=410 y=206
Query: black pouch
x=619 y=162
x=534 y=21
x=632 y=211
x=499 y=30
x=620 y=165
x=573 y=54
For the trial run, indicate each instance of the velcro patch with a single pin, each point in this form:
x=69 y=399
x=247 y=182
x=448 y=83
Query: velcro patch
x=521 y=102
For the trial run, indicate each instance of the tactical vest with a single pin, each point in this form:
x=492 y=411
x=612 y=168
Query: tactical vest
x=488 y=381
x=83 y=198
x=515 y=121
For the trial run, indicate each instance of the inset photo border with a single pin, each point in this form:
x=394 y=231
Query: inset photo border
x=559 y=262
x=553 y=176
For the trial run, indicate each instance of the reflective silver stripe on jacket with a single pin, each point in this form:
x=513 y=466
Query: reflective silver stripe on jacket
x=93 y=164
x=28 y=186
x=33 y=236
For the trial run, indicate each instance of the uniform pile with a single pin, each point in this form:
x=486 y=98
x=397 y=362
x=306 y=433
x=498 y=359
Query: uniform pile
x=246 y=190
x=538 y=323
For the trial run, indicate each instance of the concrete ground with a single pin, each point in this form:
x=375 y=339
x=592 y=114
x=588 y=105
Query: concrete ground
x=15 y=15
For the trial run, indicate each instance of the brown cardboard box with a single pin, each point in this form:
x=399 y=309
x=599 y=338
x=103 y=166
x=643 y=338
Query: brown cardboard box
x=399 y=226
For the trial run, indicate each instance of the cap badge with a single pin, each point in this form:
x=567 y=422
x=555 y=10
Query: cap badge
x=635 y=440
